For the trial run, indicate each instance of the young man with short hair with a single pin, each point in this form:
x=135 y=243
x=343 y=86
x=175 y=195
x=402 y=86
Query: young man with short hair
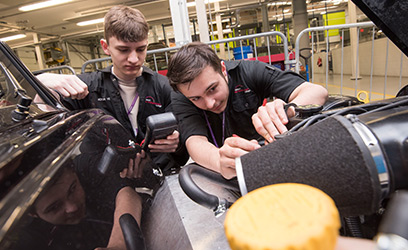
x=219 y=104
x=126 y=90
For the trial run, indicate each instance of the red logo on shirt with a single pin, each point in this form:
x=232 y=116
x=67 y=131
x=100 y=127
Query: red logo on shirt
x=241 y=88
x=150 y=100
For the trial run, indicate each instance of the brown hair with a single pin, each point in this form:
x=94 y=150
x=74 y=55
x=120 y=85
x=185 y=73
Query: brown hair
x=126 y=24
x=189 y=62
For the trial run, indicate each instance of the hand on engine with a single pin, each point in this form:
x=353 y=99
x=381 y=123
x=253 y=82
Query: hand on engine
x=234 y=147
x=270 y=120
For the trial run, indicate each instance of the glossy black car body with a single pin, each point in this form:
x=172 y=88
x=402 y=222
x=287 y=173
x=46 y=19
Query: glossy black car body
x=38 y=140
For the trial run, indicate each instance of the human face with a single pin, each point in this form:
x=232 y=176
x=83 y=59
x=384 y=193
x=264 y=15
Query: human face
x=127 y=57
x=64 y=202
x=208 y=91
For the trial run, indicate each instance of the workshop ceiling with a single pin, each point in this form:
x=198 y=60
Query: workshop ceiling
x=60 y=22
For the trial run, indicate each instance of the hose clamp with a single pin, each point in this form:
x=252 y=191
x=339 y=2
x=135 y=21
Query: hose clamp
x=221 y=208
x=373 y=146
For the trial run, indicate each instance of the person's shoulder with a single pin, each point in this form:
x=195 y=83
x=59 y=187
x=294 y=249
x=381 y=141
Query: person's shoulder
x=154 y=78
x=230 y=65
x=89 y=77
x=242 y=64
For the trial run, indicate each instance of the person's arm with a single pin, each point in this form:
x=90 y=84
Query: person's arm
x=271 y=119
x=127 y=201
x=349 y=243
x=221 y=160
x=66 y=85
x=309 y=93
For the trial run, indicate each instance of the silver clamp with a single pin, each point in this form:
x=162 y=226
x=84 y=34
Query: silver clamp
x=221 y=208
x=373 y=146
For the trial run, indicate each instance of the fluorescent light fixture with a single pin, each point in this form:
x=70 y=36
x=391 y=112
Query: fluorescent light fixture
x=280 y=3
x=319 y=9
x=44 y=4
x=90 y=22
x=9 y=38
x=191 y=4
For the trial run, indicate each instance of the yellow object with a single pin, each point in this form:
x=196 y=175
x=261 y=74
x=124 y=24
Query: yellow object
x=362 y=96
x=287 y=216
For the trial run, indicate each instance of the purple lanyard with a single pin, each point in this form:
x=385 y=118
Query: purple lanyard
x=133 y=104
x=211 y=131
x=130 y=110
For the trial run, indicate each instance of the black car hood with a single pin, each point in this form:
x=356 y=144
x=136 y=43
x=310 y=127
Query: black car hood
x=391 y=17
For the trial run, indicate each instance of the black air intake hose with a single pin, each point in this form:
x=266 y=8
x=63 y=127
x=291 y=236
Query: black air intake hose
x=197 y=194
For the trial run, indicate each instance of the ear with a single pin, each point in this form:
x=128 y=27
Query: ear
x=224 y=70
x=105 y=46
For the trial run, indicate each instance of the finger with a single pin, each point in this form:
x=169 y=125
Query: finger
x=130 y=169
x=140 y=167
x=140 y=161
x=268 y=119
x=137 y=162
x=261 y=130
x=277 y=115
x=233 y=153
x=74 y=86
x=291 y=112
x=72 y=91
x=227 y=160
x=254 y=142
x=163 y=148
x=143 y=154
x=228 y=172
x=164 y=145
x=174 y=136
x=62 y=91
x=239 y=143
x=123 y=173
x=279 y=109
x=165 y=142
x=81 y=88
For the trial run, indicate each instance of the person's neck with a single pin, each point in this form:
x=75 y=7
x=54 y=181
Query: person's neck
x=127 y=79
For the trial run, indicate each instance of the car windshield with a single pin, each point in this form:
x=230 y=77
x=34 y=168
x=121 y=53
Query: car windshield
x=16 y=80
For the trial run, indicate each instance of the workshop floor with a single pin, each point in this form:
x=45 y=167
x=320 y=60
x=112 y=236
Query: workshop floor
x=348 y=86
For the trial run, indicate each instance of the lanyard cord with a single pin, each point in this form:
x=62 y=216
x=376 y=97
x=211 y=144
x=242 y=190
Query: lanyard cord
x=133 y=104
x=211 y=131
x=135 y=130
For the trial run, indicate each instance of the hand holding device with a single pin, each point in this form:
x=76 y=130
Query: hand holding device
x=159 y=126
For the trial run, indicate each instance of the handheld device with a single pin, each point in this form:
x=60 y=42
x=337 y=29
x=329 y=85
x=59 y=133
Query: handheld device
x=114 y=159
x=159 y=126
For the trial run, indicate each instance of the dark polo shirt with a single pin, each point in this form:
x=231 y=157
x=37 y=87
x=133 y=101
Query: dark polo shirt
x=250 y=82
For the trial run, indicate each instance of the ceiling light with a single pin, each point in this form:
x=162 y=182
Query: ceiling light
x=9 y=38
x=90 y=22
x=279 y=3
x=44 y=4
